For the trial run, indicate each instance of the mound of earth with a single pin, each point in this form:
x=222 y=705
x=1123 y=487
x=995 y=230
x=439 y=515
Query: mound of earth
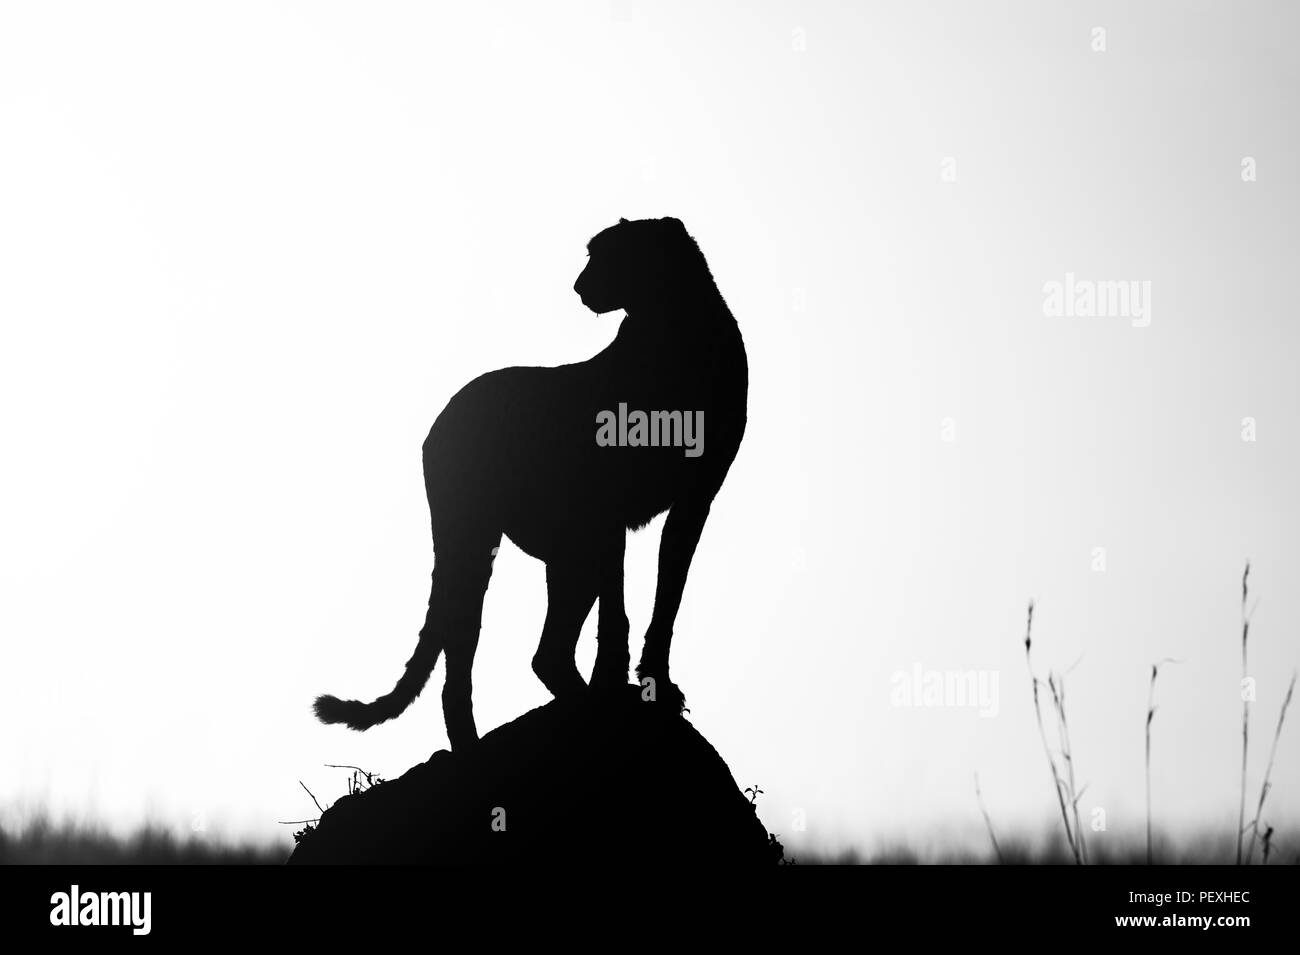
x=607 y=778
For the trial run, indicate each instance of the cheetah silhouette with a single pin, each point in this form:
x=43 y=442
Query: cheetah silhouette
x=565 y=461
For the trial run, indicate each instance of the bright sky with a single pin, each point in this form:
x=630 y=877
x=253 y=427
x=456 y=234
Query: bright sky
x=247 y=252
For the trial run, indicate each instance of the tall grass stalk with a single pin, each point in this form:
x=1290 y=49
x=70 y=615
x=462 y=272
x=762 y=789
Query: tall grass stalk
x=1151 y=714
x=1042 y=735
x=1268 y=772
x=1057 y=685
x=1245 y=708
x=988 y=823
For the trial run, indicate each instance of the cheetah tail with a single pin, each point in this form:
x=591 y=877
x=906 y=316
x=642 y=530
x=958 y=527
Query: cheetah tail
x=362 y=716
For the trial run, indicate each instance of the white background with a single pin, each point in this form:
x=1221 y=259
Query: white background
x=249 y=250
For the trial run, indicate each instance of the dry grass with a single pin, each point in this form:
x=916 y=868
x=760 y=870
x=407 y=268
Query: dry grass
x=42 y=842
x=1266 y=785
x=1245 y=707
x=1064 y=793
x=1068 y=794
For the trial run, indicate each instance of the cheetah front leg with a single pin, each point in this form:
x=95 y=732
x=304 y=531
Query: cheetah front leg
x=681 y=534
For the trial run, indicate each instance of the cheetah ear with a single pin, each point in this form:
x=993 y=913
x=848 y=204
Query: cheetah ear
x=622 y=222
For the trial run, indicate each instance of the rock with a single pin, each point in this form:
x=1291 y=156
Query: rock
x=609 y=779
